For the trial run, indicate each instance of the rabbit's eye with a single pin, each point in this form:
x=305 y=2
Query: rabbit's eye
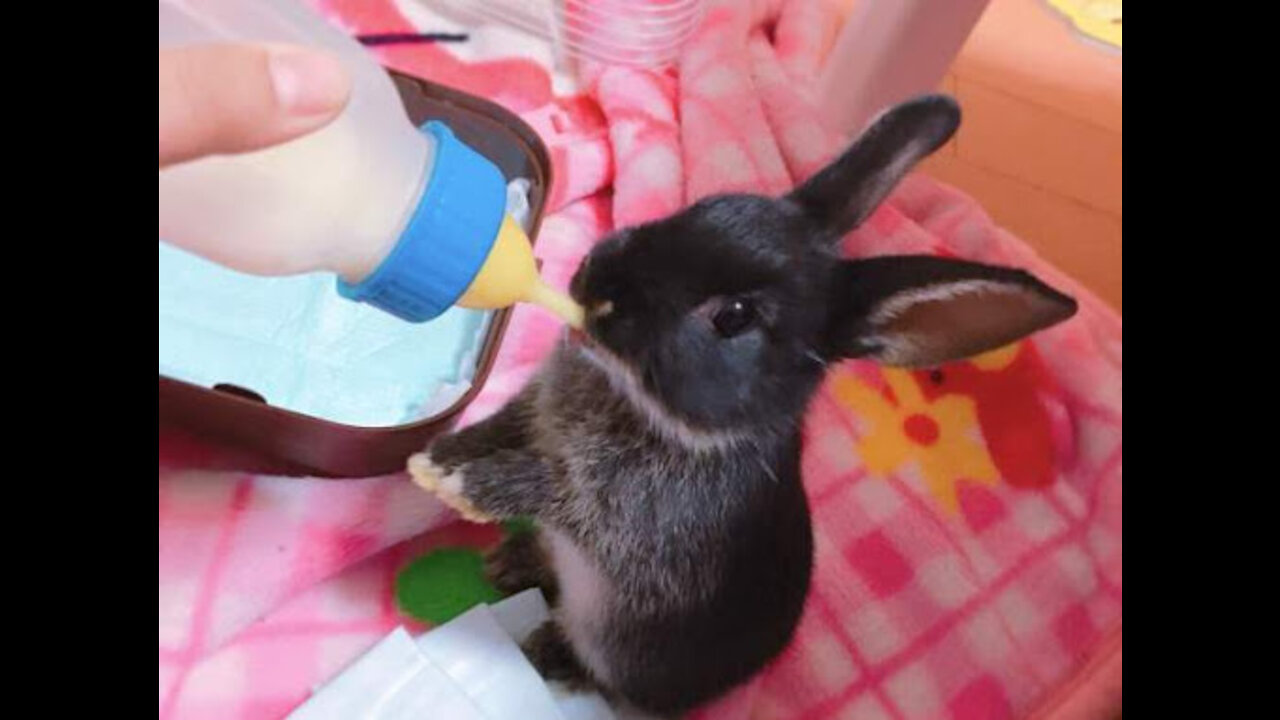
x=734 y=317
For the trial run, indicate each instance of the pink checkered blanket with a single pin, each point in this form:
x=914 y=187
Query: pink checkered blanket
x=974 y=571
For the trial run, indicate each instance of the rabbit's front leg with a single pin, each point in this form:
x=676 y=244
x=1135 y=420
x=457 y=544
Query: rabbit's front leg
x=488 y=471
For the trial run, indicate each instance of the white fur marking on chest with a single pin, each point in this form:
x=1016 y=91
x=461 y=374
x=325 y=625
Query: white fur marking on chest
x=583 y=598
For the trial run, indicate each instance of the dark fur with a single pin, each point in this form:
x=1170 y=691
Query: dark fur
x=694 y=519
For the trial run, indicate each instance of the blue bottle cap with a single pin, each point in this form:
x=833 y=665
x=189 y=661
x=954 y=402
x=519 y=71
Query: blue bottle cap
x=446 y=240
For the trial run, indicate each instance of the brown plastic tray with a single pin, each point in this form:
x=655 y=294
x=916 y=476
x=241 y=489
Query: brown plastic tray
x=287 y=442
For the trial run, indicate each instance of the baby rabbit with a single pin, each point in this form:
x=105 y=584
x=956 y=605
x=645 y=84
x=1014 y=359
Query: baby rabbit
x=659 y=452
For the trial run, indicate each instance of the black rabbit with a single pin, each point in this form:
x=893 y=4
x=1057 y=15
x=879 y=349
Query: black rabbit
x=660 y=452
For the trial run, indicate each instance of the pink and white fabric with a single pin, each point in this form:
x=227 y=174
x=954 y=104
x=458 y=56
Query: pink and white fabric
x=969 y=521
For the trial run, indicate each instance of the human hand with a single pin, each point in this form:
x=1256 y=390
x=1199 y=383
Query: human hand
x=217 y=99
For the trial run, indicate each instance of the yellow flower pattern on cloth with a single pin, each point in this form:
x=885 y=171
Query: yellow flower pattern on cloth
x=997 y=360
x=942 y=437
x=1099 y=19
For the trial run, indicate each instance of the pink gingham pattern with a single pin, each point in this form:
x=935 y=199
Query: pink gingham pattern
x=268 y=585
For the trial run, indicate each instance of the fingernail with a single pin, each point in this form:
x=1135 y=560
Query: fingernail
x=308 y=82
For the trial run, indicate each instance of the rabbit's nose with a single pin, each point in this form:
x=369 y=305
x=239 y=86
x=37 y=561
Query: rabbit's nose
x=600 y=310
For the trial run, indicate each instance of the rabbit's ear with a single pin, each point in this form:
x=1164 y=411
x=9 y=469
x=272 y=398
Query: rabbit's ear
x=923 y=311
x=843 y=194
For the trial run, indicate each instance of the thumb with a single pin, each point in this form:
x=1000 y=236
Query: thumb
x=236 y=98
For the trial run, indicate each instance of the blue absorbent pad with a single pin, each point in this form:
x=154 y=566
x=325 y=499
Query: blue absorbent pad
x=298 y=344
x=302 y=347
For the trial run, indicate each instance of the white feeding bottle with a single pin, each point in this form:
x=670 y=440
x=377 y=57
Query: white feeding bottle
x=412 y=220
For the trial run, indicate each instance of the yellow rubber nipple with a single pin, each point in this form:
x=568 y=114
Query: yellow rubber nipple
x=510 y=275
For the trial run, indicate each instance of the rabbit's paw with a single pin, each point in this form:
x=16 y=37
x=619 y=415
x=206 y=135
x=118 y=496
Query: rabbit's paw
x=449 y=486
